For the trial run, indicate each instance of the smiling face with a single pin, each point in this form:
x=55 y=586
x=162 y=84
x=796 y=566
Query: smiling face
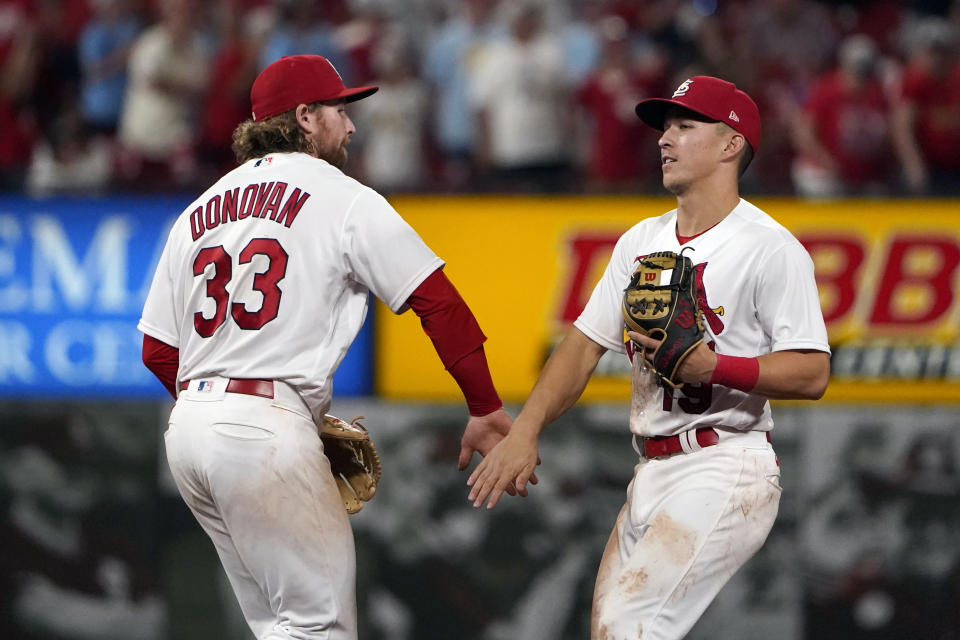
x=692 y=148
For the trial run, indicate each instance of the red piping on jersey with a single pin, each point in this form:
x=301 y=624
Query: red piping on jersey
x=685 y=239
x=458 y=340
x=163 y=361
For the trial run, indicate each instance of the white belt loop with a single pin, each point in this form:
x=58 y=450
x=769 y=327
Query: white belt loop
x=688 y=441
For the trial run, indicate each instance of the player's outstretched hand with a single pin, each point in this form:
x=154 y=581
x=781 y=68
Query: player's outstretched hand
x=482 y=434
x=507 y=468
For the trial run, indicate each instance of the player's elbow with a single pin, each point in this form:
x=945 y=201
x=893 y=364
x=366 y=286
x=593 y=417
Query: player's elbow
x=816 y=383
x=804 y=378
x=816 y=391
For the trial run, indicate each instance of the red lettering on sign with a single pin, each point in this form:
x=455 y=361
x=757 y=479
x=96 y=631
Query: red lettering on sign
x=841 y=281
x=585 y=251
x=898 y=273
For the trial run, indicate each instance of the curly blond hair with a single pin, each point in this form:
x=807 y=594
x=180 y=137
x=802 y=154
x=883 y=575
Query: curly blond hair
x=279 y=134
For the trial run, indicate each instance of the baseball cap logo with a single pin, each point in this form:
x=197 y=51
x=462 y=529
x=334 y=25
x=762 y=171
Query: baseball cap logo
x=733 y=116
x=683 y=88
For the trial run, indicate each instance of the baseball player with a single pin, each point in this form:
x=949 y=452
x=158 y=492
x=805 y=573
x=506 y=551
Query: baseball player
x=260 y=290
x=706 y=488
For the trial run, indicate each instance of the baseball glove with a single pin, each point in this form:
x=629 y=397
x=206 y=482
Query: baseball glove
x=353 y=460
x=665 y=311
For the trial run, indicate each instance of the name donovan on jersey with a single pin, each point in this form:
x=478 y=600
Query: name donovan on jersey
x=256 y=201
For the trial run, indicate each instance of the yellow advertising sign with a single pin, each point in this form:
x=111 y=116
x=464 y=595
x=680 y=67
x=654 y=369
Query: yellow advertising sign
x=887 y=273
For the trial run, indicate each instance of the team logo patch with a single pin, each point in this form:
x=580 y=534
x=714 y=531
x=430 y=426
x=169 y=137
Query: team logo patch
x=205 y=386
x=683 y=88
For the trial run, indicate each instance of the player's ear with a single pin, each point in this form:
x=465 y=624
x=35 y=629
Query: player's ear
x=302 y=113
x=735 y=144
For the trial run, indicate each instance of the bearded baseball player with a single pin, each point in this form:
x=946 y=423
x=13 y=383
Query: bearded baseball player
x=717 y=307
x=260 y=290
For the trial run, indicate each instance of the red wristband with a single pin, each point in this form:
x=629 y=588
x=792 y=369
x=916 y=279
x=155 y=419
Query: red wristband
x=736 y=372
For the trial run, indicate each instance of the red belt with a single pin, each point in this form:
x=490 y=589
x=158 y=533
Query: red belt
x=250 y=387
x=662 y=446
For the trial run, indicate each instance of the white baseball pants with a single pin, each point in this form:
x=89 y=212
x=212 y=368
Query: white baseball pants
x=690 y=521
x=252 y=471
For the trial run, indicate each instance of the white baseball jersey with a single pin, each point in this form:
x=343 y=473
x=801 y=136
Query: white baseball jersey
x=757 y=291
x=266 y=274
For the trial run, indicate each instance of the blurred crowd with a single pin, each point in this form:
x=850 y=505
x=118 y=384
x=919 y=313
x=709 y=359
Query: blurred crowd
x=859 y=98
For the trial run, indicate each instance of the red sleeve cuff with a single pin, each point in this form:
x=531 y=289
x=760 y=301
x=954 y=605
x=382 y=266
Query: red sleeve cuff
x=163 y=361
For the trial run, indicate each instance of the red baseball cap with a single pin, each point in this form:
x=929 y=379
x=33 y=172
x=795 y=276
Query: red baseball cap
x=711 y=97
x=294 y=80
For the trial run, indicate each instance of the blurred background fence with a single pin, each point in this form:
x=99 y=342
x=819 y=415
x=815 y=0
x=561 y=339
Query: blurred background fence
x=504 y=132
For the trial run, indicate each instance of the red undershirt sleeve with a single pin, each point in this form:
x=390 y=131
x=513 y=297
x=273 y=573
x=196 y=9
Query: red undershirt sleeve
x=163 y=361
x=458 y=340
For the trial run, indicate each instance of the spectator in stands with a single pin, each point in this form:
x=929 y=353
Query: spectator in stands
x=67 y=160
x=104 y=49
x=226 y=102
x=790 y=39
x=581 y=41
x=301 y=29
x=393 y=125
x=842 y=135
x=57 y=24
x=18 y=58
x=450 y=57
x=360 y=38
x=927 y=113
x=521 y=100
x=620 y=155
x=168 y=73
x=781 y=46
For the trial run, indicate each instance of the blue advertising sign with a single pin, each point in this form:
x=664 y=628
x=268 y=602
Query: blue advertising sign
x=74 y=274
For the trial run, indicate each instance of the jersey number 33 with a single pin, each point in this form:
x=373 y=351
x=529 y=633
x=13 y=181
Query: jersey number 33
x=265 y=282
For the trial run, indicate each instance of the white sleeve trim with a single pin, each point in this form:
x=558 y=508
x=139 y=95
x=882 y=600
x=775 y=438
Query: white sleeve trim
x=399 y=302
x=801 y=344
x=153 y=332
x=599 y=338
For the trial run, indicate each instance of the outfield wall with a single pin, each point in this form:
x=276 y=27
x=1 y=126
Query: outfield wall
x=887 y=273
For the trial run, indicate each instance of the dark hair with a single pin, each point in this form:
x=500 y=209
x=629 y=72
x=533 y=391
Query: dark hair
x=746 y=157
x=279 y=134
